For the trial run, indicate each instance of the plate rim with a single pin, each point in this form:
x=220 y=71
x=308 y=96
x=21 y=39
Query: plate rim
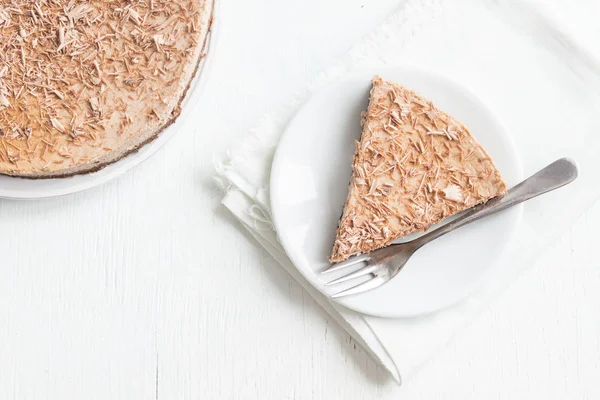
x=313 y=278
x=129 y=162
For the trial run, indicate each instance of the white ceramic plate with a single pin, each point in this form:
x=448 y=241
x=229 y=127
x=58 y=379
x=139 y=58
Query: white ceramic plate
x=25 y=189
x=309 y=183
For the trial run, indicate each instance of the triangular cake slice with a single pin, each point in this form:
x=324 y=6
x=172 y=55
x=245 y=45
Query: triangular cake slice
x=414 y=166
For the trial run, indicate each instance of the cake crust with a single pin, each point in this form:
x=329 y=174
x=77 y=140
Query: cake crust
x=135 y=61
x=414 y=166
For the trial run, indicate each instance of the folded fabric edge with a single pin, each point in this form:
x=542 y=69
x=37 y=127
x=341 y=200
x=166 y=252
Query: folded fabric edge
x=239 y=205
x=526 y=15
x=261 y=140
x=273 y=122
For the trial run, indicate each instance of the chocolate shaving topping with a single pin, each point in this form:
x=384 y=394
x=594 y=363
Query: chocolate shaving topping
x=89 y=76
x=414 y=166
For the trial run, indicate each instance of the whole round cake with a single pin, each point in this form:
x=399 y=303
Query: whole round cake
x=85 y=83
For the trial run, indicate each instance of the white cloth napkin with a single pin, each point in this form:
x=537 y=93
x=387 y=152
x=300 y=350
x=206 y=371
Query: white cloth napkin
x=516 y=56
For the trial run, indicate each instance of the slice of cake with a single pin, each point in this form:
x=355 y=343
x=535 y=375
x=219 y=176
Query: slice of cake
x=414 y=166
x=85 y=83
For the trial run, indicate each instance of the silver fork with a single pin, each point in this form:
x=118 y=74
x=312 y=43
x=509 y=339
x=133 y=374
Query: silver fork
x=384 y=264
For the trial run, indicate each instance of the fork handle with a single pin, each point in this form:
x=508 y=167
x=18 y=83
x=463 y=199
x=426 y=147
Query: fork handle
x=560 y=173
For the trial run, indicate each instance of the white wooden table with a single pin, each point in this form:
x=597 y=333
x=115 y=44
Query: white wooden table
x=146 y=288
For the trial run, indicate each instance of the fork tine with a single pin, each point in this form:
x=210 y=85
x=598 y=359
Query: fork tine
x=363 y=271
x=347 y=263
x=362 y=287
